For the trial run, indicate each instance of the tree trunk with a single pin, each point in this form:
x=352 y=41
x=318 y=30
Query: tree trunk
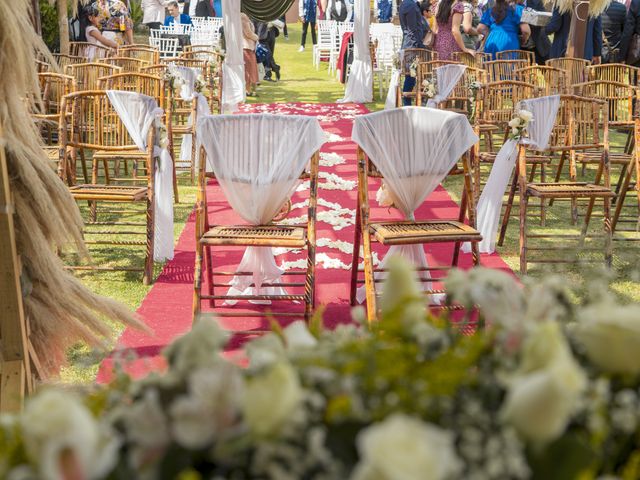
x=63 y=25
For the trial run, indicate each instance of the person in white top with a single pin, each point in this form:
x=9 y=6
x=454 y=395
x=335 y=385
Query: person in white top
x=94 y=35
x=154 y=13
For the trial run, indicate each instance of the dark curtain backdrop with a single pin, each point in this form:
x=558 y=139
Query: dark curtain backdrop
x=265 y=10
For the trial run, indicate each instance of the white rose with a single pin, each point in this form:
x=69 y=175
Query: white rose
x=525 y=115
x=146 y=422
x=610 y=335
x=400 y=284
x=515 y=131
x=58 y=429
x=209 y=408
x=406 y=448
x=265 y=351
x=544 y=345
x=514 y=122
x=383 y=196
x=270 y=398
x=298 y=335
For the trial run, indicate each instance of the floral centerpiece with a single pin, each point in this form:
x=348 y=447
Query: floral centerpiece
x=200 y=84
x=545 y=389
x=519 y=124
x=474 y=88
x=173 y=80
x=430 y=87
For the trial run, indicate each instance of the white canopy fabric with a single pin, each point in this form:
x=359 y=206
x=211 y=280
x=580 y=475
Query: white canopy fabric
x=414 y=148
x=544 y=110
x=257 y=160
x=189 y=76
x=360 y=81
x=138 y=113
x=233 y=88
x=447 y=77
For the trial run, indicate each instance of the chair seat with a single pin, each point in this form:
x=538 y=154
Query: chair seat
x=594 y=156
x=114 y=193
x=488 y=127
x=257 y=235
x=490 y=157
x=127 y=154
x=400 y=233
x=568 y=190
x=181 y=129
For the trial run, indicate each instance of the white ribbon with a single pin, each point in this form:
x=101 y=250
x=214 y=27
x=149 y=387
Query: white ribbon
x=447 y=78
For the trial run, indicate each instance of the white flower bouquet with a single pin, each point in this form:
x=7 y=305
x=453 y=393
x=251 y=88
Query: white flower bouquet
x=173 y=80
x=519 y=124
x=200 y=84
x=430 y=87
x=409 y=397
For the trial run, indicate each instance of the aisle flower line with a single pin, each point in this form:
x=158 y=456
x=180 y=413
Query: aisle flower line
x=544 y=389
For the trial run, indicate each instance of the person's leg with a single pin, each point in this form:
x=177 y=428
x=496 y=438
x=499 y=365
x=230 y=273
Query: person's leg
x=305 y=26
x=313 y=33
x=284 y=30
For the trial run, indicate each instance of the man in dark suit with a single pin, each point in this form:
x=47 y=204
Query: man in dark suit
x=613 y=20
x=560 y=24
x=631 y=26
x=413 y=32
x=538 y=42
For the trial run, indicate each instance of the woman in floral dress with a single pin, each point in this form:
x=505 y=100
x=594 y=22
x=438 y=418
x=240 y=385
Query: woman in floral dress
x=114 y=20
x=448 y=36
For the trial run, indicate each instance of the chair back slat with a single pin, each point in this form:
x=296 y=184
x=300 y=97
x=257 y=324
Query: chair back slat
x=501 y=70
x=619 y=97
x=550 y=80
x=87 y=74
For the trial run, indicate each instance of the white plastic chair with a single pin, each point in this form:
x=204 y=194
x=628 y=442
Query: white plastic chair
x=168 y=47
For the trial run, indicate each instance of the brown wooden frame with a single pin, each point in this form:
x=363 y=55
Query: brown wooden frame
x=504 y=70
x=550 y=80
x=87 y=74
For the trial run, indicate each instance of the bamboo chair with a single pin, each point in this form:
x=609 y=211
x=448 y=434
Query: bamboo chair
x=149 y=85
x=158 y=69
x=84 y=49
x=214 y=72
x=549 y=80
x=53 y=86
x=587 y=129
x=87 y=74
x=477 y=61
x=272 y=234
x=42 y=66
x=614 y=72
x=575 y=68
x=501 y=70
x=460 y=99
x=419 y=231
x=94 y=125
x=143 y=52
x=525 y=55
x=64 y=60
x=409 y=56
x=128 y=64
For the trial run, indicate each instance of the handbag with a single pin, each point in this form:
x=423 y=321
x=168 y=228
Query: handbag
x=429 y=39
x=633 y=54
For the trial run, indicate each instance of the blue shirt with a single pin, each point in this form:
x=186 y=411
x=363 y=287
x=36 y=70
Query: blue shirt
x=184 y=20
x=309 y=10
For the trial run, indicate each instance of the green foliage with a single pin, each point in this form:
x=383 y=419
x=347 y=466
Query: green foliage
x=49 y=21
x=135 y=10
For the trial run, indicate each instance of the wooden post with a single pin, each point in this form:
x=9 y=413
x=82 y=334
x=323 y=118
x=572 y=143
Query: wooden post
x=15 y=368
x=63 y=25
x=35 y=16
x=578 y=29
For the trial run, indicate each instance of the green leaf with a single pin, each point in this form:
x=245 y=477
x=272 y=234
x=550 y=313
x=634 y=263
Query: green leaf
x=569 y=457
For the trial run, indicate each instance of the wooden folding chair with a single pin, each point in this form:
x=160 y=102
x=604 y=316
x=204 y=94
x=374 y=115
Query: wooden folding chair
x=143 y=52
x=409 y=56
x=502 y=70
x=94 y=125
x=408 y=232
x=476 y=61
x=460 y=99
x=214 y=73
x=87 y=74
x=549 y=80
x=587 y=129
x=575 y=68
x=128 y=64
x=525 y=55
x=613 y=72
x=272 y=234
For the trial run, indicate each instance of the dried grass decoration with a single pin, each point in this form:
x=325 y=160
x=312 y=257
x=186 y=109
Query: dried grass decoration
x=596 y=7
x=60 y=309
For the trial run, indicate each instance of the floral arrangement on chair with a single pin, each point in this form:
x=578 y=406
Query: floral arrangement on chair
x=384 y=197
x=173 y=80
x=474 y=88
x=430 y=87
x=545 y=388
x=413 y=68
x=200 y=84
x=519 y=124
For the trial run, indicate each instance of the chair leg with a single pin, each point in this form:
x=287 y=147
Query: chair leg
x=309 y=287
x=620 y=198
x=194 y=158
x=587 y=216
x=507 y=210
x=608 y=233
x=370 y=285
x=543 y=208
x=210 y=288
x=197 y=280
x=148 y=262
x=355 y=260
x=107 y=179
x=523 y=233
x=83 y=162
x=461 y=215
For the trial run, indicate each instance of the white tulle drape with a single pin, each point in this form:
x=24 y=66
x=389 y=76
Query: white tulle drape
x=138 y=113
x=544 y=110
x=233 y=88
x=414 y=148
x=189 y=75
x=447 y=77
x=360 y=81
x=258 y=159
x=390 y=101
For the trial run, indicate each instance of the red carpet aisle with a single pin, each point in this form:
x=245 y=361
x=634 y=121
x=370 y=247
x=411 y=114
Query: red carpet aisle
x=167 y=307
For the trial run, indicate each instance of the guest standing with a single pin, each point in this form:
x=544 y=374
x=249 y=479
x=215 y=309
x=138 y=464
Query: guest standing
x=470 y=22
x=175 y=17
x=448 y=36
x=93 y=34
x=502 y=23
x=538 y=42
x=307 y=9
x=413 y=32
x=153 y=13
x=559 y=26
x=613 y=20
x=249 y=40
x=114 y=20
x=631 y=26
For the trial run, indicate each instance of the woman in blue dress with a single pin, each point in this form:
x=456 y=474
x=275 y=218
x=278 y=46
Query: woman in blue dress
x=504 y=28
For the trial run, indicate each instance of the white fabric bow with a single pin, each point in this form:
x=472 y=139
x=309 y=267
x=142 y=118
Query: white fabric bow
x=447 y=78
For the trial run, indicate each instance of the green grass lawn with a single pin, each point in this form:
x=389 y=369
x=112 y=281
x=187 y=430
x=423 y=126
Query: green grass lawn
x=301 y=82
